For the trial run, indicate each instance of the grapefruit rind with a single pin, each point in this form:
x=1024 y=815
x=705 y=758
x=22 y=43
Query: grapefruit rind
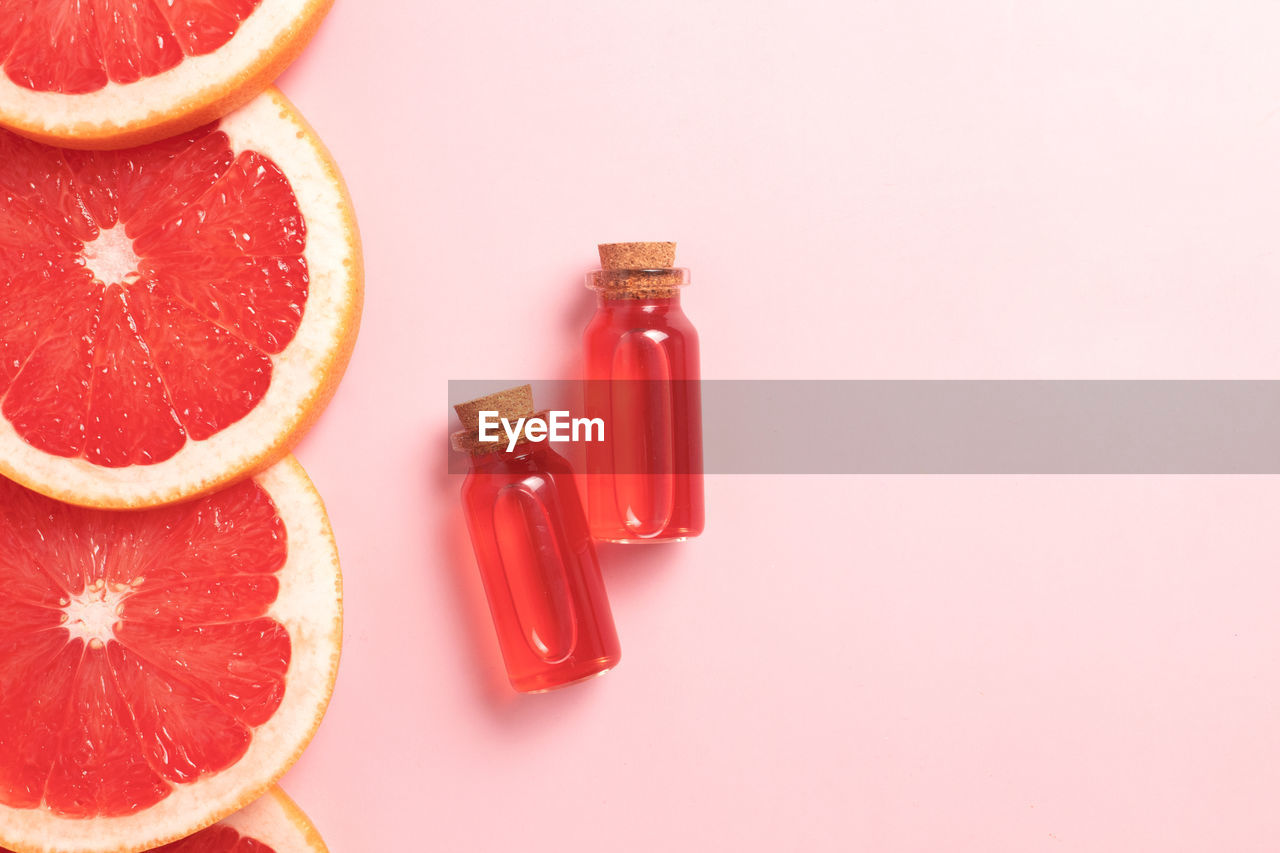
x=305 y=374
x=309 y=605
x=195 y=92
x=275 y=820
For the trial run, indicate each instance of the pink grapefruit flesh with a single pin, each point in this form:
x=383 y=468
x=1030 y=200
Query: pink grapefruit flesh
x=158 y=668
x=79 y=46
x=152 y=298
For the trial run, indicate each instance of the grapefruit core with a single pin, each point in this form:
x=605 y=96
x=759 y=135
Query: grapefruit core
x=172 y=316
x=114 y=73
x=159 y=669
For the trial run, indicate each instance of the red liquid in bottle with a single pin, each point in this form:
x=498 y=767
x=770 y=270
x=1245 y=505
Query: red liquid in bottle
x=644 y=482
x=536 y=557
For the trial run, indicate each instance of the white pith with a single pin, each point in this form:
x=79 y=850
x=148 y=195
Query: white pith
x=119 y=106
x=276 y=821
x=91 y=615
x=110 y=258
x=309 y=605
x=267 y=124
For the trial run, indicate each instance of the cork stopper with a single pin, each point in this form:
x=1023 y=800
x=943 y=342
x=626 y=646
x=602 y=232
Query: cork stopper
x=637 y=271
x=637 y=256
x=512 y=404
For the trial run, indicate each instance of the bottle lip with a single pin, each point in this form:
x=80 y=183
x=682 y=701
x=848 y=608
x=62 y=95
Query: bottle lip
x=638 y=283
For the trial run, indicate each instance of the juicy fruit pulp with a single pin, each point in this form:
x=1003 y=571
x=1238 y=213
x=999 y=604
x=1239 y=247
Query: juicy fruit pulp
x=78 y=46
x=143 y=292
x=136 y=653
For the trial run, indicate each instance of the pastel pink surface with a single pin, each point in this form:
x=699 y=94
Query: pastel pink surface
x=863 y=190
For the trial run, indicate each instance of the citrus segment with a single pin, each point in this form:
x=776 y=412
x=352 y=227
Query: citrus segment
x=56 y=49
x=136 y=40
x=158 y=668
x=154 y=297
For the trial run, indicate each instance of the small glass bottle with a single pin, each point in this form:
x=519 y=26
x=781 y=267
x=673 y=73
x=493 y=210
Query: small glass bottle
x=644 y=482
x=535 y=553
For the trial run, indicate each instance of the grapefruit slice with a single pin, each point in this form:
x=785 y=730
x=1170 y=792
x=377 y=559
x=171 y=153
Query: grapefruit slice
x=273 y=823
x=171 y=316
x=111 y=73
x=159 y=669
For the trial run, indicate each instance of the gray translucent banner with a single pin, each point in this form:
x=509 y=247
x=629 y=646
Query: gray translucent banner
x=966 y=427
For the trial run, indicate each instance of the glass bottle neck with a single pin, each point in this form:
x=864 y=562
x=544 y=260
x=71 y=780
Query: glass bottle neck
x=639 y=305
x=521 y=454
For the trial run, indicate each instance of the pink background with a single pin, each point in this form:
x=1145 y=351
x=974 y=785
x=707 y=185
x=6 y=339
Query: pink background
x=863 y=189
